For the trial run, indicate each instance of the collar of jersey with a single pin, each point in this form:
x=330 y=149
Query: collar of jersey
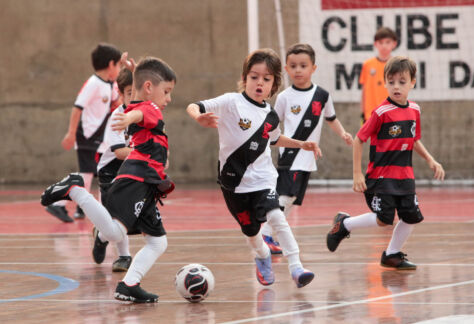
x=109 y=82
x=261 y=105
x=398 y=105
x=305 y=89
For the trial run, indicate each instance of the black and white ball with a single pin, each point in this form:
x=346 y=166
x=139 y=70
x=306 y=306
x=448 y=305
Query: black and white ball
x=194 y=282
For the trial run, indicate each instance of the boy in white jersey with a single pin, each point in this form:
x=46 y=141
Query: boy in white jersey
x=247 y=125
x=88 y=119
x=300 y=108
x=118 y=148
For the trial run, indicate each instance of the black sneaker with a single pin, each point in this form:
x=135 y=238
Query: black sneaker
x=79 y=214
x=396 y=261
x=59 y=212
x=338 y=232
x=122 y=264
x=134 y=293
x=60 y=190
x=99 y=249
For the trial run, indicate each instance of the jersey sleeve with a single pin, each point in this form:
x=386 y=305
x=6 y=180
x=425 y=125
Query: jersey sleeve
x=418 y=127
x=152 y=116
x=280 y=105
x=86 y=94
x=370 y=127
x=274 y=135
x=329 y=111
x=219 y=105
x=114 y=139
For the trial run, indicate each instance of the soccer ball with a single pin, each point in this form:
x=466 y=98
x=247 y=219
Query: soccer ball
x=194 y=282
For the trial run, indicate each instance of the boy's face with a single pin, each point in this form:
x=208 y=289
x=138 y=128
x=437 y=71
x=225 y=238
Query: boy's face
x=385 y=47
x=398 y=86
x=127 y=95
x=114 y=70
x=159 y=94
x=300 y=68
x=259 y=82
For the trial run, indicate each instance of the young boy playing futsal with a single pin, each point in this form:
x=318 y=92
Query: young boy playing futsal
x=394 y=130
x=88 y=119
x=300 y=108
x=141 y=180
x=247 y=125
x=118 y=149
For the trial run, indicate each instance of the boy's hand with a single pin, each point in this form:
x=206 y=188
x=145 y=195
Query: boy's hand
x=68 y=141
x=438 y=170
x=347 y=138
x=359 y=183
x=312 y=146
x=120 y=121
x=128 y=63
x=208 y=120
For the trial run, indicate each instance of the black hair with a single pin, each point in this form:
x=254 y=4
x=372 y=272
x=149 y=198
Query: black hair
x=103 y=54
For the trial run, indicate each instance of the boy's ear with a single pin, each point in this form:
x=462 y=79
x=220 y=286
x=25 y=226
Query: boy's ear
x=413 y=82
x=315 y=67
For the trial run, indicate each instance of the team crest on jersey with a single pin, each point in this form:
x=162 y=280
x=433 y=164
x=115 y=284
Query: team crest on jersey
x=413 y=129
x=245 y=123
x=295 y=109
x=395 y=130
x=105 y=99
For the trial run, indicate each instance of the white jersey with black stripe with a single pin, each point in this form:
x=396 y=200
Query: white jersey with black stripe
x=291 y=105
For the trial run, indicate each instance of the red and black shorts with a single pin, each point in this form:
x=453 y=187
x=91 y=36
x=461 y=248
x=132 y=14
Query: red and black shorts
x=250 y=209
x=133 y=203
x=384 y=205
x=293 y=184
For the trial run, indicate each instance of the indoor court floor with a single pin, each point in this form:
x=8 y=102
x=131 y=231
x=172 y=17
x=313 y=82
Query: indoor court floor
x=47 y=274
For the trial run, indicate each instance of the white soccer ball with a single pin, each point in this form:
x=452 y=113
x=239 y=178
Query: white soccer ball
x=194 y=282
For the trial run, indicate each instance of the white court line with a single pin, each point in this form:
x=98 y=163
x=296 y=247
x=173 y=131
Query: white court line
x=363 y=301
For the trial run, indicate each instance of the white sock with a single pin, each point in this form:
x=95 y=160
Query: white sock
x=287 y=203
x=401 y=232
x=266 y=229
x=123 y=248
x=109 y=229
x=145 y=258
x=364 y=220
x=261 y=249
x=284 y=235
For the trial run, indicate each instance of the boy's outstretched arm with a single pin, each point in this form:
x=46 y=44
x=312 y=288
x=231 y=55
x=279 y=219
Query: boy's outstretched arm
x=121 y=120
x=359 y=179
x=432 y=163
x=208 y=120
x=70 y=137
x=336 y=126
x=286 y=141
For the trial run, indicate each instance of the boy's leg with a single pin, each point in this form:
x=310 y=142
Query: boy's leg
x=125 y=259
x=87 y=176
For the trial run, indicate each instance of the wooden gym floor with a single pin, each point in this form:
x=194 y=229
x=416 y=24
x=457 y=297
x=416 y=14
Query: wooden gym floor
x=47 y=274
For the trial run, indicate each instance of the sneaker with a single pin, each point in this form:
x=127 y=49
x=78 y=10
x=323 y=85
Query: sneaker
x=122 y=264
x=79 y=214
x=274 y=246
x=264 y=270
x=397 y=261
x=59 y=212
x=99 y=249
x=338 y=232
x=60 y=190
x=134 y=293
x=302 y=277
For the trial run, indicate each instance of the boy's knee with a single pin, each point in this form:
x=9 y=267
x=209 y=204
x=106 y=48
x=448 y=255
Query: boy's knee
x=382 y=224
x=276 y=218
x=157 y=243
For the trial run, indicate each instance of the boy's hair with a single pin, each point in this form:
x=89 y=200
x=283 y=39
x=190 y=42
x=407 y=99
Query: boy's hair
x=103 y=54
x=399 y=64
x=385 y=32
x=271 y=59
x=302 y=48
x=124 y=79
x=152 y=69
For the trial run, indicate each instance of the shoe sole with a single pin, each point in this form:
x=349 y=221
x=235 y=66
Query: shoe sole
x=61 y=218
x=123 y=297
x=397 y=268
x=119 y=269
x=263 y=281
x=305 y=279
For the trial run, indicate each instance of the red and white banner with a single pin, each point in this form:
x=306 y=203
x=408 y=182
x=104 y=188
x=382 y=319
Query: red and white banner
x=437 y=34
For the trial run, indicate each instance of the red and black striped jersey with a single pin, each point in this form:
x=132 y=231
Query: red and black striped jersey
x=146 y=162
x=393 y=130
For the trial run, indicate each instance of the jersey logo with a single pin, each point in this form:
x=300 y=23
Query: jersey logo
x=266 y=128
x=253 y=146
x=245 y=123
x=316 y=108
x=395 y=130
x=105 y=99
x=413 y=129
x=295 y=109
x=138 y=208
x=307 y=123
x=376 y=204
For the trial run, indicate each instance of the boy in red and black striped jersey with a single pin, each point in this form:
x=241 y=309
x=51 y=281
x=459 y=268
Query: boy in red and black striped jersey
x=141 y=181
x=394 y=129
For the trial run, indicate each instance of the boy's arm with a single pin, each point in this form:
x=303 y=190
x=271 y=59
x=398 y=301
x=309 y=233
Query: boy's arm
x=205 y=120
x=70 y=137
x=122 y=153
x=336 y=126
x=123 y=120
x=432 y=163
x=286 y=141
x=359 y=179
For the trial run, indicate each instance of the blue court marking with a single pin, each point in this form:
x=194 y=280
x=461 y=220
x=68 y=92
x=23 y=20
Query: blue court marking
x=65 y=285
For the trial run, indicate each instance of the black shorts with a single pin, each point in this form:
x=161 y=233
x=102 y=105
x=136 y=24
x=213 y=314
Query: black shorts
x=106 y=175
x=384 y=206
x=133 y=203
x=250 y=209
x=293 y=184
x=88 y=160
